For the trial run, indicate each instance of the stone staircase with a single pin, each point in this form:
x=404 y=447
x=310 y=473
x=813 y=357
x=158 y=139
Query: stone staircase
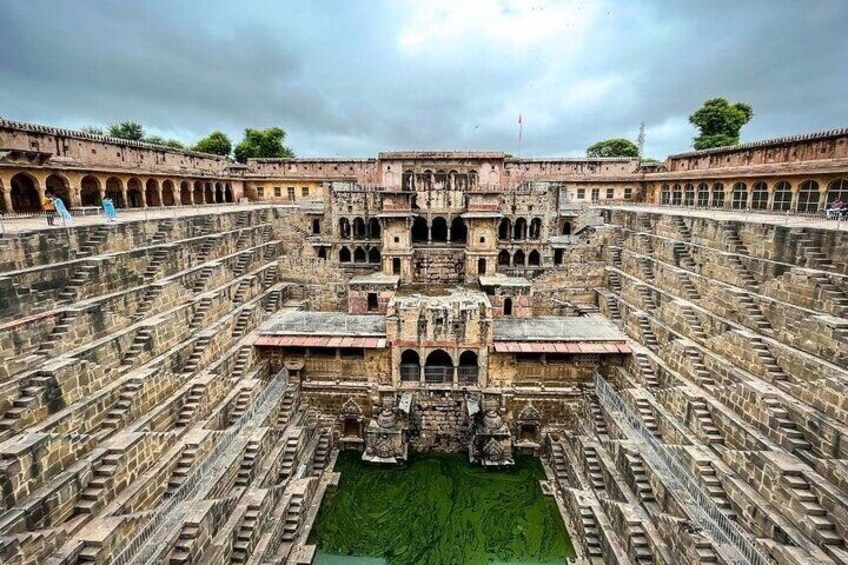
x=189 y=408
x=614 y=280
x=273 y=301
x=682 y=228
x=182 y=547
x=699 y=369
x=292 y=518
x=593 y=468
x=747 y=279
x=240 y=327
x=286 y=406
x=242 y=361
x=163 y=231
x=646 y=372
x=202 y=278
x=242 y=263
x=731 y=237
x=642 y=490
x=58 y=333
x=646 y=414
x=155 y=264
x=646 y=297
x=243 y=544
x=591 y=533
x=712 y=484
x=196 y=354
x=703 y=417
x=767 y=360
x=640 y=549
x=242 y=403
x=93 y=495
x=558 y=462
x=829 y=293
x=597 y=415
x=696 y=330
x=812 y=252
x=682 y=255
x=248 y=464
x=800 y=490
x=615 y=256
x=205 y=250
x=142 y=338
x=32 y=395
x=645 y=266
x=178 y=475
x=612 y=309
x=117 y=415
x=753 y=312
x=80 y=277
x=146 y=302
x=289 y=454
x=781 y=418
x=689 y=290
x=649 y=339
x=93 y=243
x=322 y=453
x=241 y=290
x=200 y=313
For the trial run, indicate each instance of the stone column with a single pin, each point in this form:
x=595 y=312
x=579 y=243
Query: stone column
x=124 y=196
x=429 y=232
x=7 y=198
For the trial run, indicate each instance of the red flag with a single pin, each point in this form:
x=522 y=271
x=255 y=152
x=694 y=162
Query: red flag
x=519 y=128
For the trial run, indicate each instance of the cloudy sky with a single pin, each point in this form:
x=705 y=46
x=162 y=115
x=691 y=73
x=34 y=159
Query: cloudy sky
x=351 y=78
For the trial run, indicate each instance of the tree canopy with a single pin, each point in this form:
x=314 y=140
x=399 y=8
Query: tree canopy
x=133 y=131
x=267 y=143
x=216 y=143
x=720 y=122
x=94 y=130
x=613 y=148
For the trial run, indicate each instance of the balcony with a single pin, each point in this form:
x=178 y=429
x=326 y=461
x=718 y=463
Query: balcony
x=438 y=374
x=467 y=375
x=410 y=373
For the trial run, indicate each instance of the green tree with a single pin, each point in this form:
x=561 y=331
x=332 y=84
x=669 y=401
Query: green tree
x=127 y=130
x=265 y=143
x=613 y=148
x=159 y=140
x=94 y=130
x=720 y=122
x=216 y=143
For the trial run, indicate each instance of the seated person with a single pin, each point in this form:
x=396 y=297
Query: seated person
x=837 y=209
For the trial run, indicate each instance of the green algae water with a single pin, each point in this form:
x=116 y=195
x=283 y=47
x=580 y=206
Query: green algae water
x=439 y=510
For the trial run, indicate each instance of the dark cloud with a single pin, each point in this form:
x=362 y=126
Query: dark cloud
x=348 y=78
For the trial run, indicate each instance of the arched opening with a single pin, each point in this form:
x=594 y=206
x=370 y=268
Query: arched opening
x=676 y=195
x=219 y=192
x=504 y=229
x=185 y=194
x=135 y=199
x=519 y=230
x=344 y=228
x=507 y=306
x=374 y=228
x=228 y=193
x=168 y=193
x=467 y=370
x=210 y=197
x=481 y=266
x=782 y=197
x=115 y=192
x=535 y=228
x=358 y=228
x=566 y=228
x=24 y=194
x=60 y=188
x=89 y=191
x=198 y=192
x=503 y=258
x=759 y=196
x=351 y=428
x=718 y=195
x=703 y=194
x=473 y=179
x=408 y=180
x=410 y=365
x=739 y=196
x=665 y=195
x=439 y=230
x=439 y=367
x=396 y=266
x=534 y=259
x=459 y=233
x=359 y=255
x=373 y=255
x=441 y=179
x=689 y=194
x=518 y=258
x=419 y=230
x=837 y=190
x=808 y=196
x=151 y=193
x=344 y=255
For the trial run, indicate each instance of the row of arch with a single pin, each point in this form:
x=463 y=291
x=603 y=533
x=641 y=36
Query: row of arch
x=25 y=192
x=519 y=258
x=439 y=230
x=448 y=180
x=806 y=197
x=359 y=255
x=438 y=366
x=359 y=228
x=520 y=229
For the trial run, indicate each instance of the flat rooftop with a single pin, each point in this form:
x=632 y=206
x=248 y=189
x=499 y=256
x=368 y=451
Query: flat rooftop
x=557 y=328
x=327 y=324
